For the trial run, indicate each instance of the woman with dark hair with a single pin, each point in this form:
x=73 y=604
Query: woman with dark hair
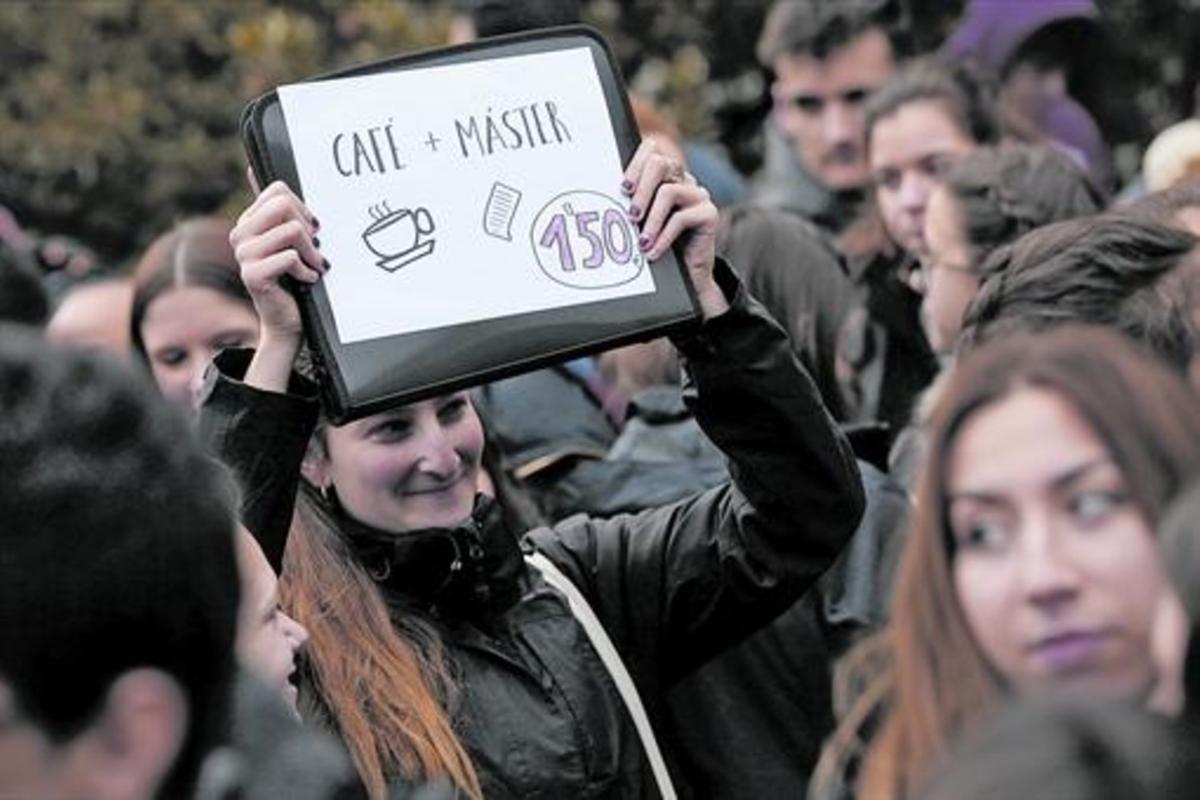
x=992 y=197
x=189 y=303
x=918 y=125
x=1032 y=564
x=436 y=650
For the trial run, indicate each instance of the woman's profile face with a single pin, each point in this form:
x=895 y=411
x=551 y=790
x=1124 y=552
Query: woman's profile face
x=409 y=468
x=1054 y=565
x=268 y=640
x=911 y=151
x=184 y=327
x=950 y=280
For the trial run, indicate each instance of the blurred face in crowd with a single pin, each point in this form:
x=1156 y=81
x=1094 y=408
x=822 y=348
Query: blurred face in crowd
x=910 y=151
x=268 y=640
x=1031 y=86
x=409 y=468
x=184 y=328
x=94 y=315
x=1056 y=568
x=949 y=278
x=819 y=106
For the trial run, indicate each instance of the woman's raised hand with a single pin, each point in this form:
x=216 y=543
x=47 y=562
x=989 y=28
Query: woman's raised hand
x=276 y=236
x=666 y=202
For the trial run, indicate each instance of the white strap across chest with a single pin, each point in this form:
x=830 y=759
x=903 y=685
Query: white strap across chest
x=612 y=662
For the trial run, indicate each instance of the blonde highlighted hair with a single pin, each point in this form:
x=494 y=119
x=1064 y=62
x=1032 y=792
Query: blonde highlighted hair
x=383 y=683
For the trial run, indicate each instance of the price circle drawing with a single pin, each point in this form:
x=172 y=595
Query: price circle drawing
x=584 y=240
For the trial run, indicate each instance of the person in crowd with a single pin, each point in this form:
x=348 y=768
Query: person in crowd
x=189 y=304
x=990 y=198
x=825 y=59
x=1051 y=61
x=271 y=754
x=1114 y=270
x=268 y=640
x=918 y=125
x=1032 y=567
x=1069 y=751
x=22 y=296
x=1173 y=156
x=94 y=314
x=118 y=583
x=796 y=274
x=436 y=650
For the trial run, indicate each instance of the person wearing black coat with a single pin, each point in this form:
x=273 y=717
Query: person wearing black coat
x=531 y=704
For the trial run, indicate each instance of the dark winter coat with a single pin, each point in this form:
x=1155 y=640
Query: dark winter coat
x=673 y=586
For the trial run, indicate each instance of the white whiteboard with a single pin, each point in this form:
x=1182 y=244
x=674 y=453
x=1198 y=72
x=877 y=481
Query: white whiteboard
x=467 y=192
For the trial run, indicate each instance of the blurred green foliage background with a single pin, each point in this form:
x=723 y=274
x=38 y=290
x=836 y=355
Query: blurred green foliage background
x=120 y=116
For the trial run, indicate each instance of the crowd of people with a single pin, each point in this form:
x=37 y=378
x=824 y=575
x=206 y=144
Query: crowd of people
x=910 y=513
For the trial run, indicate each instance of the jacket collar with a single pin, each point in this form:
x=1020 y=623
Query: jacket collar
x=470 y=570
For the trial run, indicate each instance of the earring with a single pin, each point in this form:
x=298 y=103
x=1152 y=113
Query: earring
x=324 y=491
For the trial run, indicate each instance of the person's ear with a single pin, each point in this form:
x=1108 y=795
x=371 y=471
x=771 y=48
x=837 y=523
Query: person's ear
x=315 y=466
x=139 y=734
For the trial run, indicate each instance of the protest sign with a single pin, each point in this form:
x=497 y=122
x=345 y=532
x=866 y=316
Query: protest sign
x=464 y=192
x=471 y=211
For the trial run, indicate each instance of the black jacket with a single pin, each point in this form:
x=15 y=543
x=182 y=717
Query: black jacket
x=673 y=586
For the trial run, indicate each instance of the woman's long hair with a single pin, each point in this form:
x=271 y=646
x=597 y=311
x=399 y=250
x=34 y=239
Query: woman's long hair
x=383 y=683
x=380 y=680
x=1144 y=414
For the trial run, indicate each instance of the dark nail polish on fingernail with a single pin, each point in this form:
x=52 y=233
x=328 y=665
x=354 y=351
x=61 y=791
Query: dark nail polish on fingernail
x=634 y=212
x=316 y=242
x=643 y=241
x=627 y=185
x=325 y=264
x=316 y=223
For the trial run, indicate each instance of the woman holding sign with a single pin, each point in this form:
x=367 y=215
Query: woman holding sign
x=442 y=645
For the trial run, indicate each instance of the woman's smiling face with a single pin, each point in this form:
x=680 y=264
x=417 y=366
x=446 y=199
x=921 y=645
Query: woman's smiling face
x=409 y=468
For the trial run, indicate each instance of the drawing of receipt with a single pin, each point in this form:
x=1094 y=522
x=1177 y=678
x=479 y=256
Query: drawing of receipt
x=500 y=210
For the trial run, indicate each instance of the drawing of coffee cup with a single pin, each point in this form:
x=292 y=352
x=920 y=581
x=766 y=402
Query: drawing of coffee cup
x=400 y=237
